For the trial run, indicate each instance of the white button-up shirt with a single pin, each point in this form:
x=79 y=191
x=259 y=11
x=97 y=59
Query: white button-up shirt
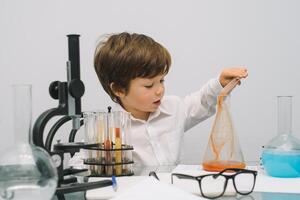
x=157 y=141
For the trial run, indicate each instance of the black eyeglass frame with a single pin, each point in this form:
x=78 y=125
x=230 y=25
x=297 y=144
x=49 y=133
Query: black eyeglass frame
x=227 y=177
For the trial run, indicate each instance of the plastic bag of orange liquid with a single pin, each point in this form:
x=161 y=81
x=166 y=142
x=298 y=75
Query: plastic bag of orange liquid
x=223 y=149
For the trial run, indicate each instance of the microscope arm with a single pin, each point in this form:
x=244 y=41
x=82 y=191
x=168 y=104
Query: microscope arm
x=53 y=130
x=40 y=124
x=58 y=90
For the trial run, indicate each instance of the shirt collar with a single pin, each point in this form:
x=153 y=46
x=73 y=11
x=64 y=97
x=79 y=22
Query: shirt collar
x=164 y=110
x=153 y=115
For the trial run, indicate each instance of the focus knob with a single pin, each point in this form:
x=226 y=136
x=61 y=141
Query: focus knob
x=76 y=88
x=53 y=89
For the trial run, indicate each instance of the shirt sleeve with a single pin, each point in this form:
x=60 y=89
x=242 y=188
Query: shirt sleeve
x=200 y=105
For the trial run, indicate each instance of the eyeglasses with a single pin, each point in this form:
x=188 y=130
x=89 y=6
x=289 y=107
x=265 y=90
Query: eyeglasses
x=214 y=185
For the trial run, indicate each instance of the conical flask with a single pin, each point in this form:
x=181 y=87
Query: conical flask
x=281 y=156
x=26 y=171
x=223 y=149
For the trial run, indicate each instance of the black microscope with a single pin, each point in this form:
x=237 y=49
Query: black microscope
x=69 y=96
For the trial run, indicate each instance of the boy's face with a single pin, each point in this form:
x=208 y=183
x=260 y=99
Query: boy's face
x=144 y=96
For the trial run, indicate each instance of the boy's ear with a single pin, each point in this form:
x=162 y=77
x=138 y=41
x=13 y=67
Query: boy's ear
x=117 y=91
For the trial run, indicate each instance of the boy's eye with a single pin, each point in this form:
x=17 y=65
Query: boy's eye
x=149 y=86
x=162 y=81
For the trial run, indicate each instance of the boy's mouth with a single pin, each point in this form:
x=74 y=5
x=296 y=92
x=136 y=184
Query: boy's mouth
x=157 y=102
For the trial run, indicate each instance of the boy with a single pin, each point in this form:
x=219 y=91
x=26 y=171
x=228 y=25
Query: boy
x=131 y=69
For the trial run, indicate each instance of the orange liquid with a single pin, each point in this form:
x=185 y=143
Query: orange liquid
x=118 y=156
x=217 y=166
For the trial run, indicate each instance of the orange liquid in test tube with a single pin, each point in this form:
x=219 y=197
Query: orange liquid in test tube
x=118 y=145
x=108 y=158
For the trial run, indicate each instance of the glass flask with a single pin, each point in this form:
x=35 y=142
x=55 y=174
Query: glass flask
x=26 y=171
x=223 y=149
x=281 y=156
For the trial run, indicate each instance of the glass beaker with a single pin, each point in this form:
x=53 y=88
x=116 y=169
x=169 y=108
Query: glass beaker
x=223 y=149
x=281 y=156
x=26 y=171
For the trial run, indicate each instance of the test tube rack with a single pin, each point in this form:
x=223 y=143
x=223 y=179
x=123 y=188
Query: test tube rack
x=102 y=167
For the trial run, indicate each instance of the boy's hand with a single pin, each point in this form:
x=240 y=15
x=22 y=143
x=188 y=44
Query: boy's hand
x=228 y=74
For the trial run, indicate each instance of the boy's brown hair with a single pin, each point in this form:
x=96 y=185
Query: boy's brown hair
x=124 y=57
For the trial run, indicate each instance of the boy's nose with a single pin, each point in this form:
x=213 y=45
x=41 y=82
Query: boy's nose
x=159 y=91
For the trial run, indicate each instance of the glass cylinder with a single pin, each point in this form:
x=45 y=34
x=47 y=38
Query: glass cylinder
x=281 y=156
x=26 y=171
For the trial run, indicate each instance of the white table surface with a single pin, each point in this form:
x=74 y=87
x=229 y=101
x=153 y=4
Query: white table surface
x=267 y=188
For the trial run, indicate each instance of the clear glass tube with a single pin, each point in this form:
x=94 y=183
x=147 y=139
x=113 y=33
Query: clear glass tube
x=89 y=127
x=284 y=122
x=22 y=113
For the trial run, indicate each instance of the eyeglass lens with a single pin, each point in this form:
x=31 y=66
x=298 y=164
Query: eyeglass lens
x=244 y=182
x=214 y=186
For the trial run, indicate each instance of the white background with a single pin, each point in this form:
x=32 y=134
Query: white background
x=203 y=36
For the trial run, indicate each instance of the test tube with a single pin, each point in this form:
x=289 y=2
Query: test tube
x=116 y=129
x=126 y=135
x=90 y=136
x=108 y=145
x=101 y=117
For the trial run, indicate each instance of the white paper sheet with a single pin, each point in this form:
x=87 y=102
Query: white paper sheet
x=124 y=183
x=150 y=189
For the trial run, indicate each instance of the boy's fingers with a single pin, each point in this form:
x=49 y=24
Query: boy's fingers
x=236 y=72
x=244 y=73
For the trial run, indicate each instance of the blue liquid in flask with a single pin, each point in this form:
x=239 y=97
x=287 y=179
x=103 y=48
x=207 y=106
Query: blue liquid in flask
x=281 y=163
